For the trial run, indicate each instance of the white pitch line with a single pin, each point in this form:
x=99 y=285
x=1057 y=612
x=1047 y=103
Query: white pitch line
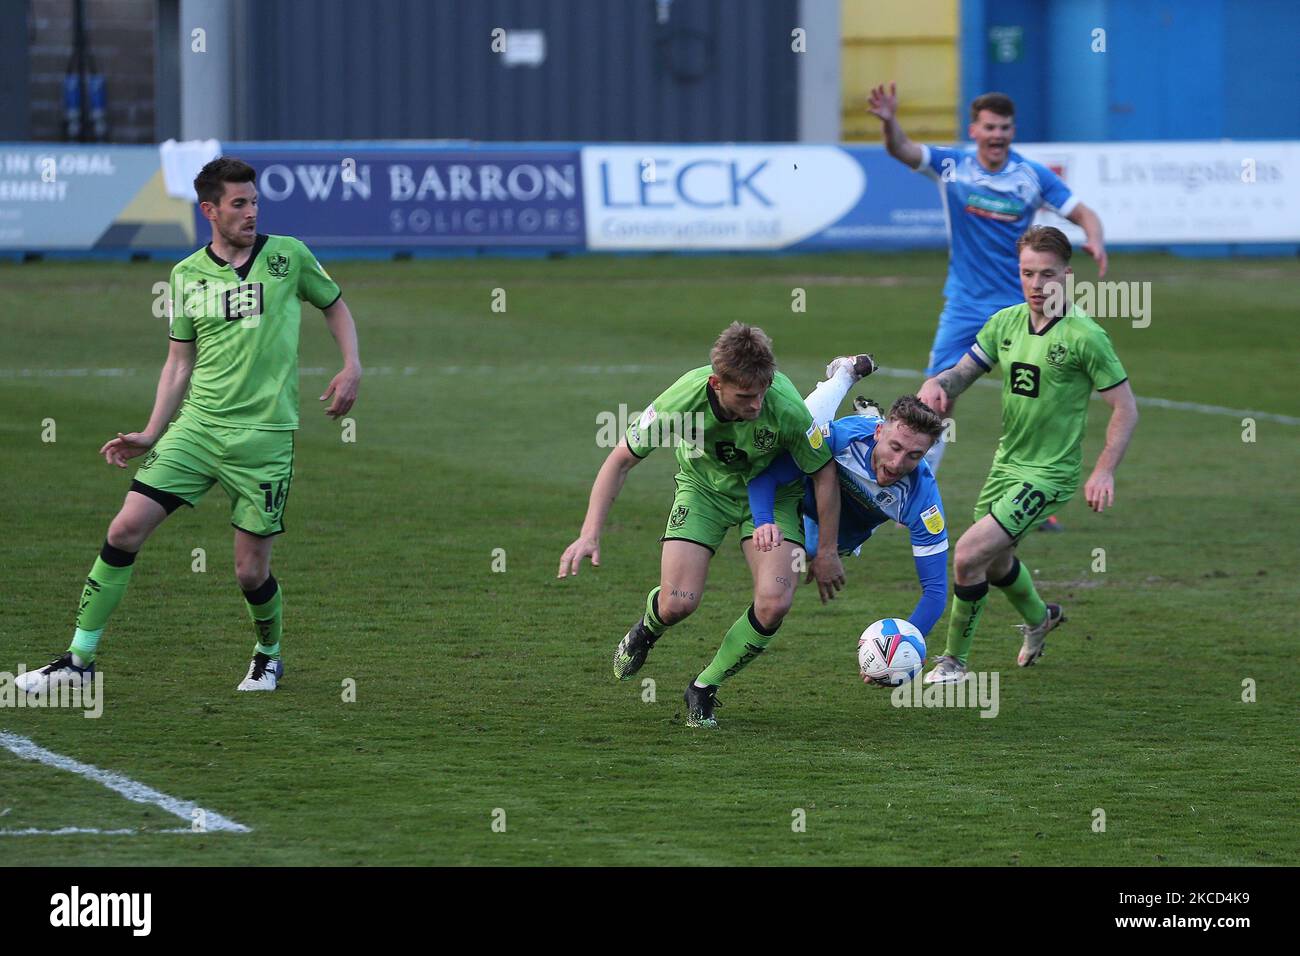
x=95 y=831
x=132 y=790
x=407 y=370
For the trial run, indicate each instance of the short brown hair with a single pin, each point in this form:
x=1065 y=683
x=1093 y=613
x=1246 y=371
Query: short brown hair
x=998 y=103
x=1045 y=239
x=211 y=181
x=743 y=356
x=916 y=415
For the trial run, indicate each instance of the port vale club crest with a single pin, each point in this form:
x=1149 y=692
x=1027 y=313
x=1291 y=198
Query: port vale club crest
x=764 y=440
x=278 y=265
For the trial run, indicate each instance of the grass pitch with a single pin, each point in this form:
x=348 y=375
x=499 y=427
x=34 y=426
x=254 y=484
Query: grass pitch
x=487 y=695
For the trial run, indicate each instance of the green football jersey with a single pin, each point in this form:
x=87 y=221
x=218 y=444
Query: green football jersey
x=245 y=325
x=1047 y=380
x=724 y=455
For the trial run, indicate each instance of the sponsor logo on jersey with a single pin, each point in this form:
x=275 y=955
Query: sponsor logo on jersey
x=1024 y=379
x=727 y=453
x=815 y=436
x=764 y=439
x=1000 y=208
x=243 y=301
x=278 y=265
x=678 y=517
x=1057 y=354
x=933 y=519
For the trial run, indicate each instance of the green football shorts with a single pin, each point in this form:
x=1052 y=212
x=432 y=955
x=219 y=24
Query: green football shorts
x=704 y=516
x=253 y=466
x=1019 y=502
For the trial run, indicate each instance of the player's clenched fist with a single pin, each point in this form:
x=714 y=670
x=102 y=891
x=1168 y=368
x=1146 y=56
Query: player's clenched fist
x=932 y=394
x=571 y=560
x=118 y=451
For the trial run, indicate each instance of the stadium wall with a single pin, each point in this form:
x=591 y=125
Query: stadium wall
x=1096 y=70
x=590 y=70
x=406 y=197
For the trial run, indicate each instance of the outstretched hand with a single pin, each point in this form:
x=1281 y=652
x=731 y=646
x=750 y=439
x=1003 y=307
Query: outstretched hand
x=343 y=387
x=883 y=103
x=571 y=560
x=118 y=451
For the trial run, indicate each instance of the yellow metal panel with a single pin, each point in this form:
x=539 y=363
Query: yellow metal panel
x=912 y=43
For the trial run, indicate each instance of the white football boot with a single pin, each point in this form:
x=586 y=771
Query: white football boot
x=1036 y=637
x=59 y=672
x=859 y=366
x=263 y=673
x=948 y=670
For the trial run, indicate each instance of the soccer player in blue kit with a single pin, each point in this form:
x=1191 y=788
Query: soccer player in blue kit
x=990 y=195
x=883 y=477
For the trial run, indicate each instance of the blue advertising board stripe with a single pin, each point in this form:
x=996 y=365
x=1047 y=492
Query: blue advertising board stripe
x=348 y=194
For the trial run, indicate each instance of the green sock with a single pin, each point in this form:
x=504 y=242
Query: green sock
x=744 y=641
x=967 y=603
x=656 y=626
x=265 y=607
x=105 y=585
x=1018 y=586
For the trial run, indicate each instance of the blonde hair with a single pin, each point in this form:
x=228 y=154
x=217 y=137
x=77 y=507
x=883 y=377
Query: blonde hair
x=742 y=355
x=1045 y=239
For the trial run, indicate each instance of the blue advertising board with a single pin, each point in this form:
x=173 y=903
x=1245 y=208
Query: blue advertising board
x=354 y=195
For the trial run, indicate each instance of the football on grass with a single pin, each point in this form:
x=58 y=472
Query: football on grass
x=890 y=652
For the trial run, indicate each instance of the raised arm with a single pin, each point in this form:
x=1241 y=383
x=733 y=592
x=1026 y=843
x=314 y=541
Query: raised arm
x=1099 y=490
x=173 y=382
x=1094 y=243
x=343 y=386
x=938 y=392
x=884 y=104
x=605 y=489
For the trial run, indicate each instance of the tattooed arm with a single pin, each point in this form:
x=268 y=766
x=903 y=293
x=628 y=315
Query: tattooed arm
x=938 y=392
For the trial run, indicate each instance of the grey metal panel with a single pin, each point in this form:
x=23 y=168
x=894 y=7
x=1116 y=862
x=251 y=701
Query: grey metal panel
x=335 y=69
x=15 y=105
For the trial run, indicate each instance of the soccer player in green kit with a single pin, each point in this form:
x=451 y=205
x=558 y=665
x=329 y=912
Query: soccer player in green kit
x=1053 y=356
x=234 y=311
x=729 y=420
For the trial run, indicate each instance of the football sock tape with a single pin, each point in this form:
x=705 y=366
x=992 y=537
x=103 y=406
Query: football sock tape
x=265 y=608
x=967 y=603
x=105 y=586
x=745 y=640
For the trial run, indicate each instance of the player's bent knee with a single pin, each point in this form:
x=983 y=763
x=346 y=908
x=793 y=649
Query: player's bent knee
x=251 y=578
x=771 y=609
x=676 y=608
x=127 y=533
x=968 y=564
